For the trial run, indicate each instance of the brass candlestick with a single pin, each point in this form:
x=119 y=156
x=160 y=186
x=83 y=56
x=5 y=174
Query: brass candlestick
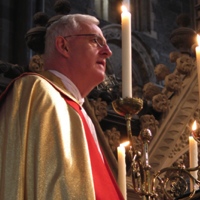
x=127 y=107
x=171 y=181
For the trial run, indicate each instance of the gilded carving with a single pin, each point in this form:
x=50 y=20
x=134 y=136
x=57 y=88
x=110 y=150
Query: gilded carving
x=161 y=71
x=149 y=121
x=36 y=63
x=160 y=103
x=113 y=138
x=100 y=108
x=173 y=82
x=150 y=90
x=184 y=64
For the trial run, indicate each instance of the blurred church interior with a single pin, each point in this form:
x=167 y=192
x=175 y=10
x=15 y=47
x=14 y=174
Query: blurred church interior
x=164 y=72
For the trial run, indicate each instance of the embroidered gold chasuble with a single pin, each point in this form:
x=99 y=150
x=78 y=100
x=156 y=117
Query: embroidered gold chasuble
x=31 y=154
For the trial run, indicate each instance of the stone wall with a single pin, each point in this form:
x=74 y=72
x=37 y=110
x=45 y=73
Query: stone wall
x=16 y=20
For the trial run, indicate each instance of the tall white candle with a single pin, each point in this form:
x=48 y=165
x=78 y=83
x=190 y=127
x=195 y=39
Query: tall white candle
x=122 y=169
x=126 y=53
x=198 y=62
x=193 y=153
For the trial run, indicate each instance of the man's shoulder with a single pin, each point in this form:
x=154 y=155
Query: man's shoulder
x=42 y=82
x=23 y=82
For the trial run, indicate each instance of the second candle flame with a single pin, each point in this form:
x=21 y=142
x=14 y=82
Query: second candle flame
x=124 y=9
x=194 y=126
x=124 y=144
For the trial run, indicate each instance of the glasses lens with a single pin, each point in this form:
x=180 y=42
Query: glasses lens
x=100 y=41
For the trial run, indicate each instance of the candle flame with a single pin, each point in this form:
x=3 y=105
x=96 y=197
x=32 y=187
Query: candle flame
x=124 y=144
x=124 y=9
x=194 y=126
x=198 y=39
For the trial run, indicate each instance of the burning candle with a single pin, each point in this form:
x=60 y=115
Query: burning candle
x=122 y=168
x=193 y=152
x=126 y=53
x=198 y=62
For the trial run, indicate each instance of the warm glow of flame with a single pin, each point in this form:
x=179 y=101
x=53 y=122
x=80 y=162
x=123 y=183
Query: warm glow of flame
x=198 y=39
x=124 y=144
x=124 y=9
x=194 y=126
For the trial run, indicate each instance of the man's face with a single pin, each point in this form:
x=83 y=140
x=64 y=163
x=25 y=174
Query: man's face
x=88 y=58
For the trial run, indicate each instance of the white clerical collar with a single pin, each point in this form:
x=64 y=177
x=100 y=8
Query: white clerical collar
x=69 y=85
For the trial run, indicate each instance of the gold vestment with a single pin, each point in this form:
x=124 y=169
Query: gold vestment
x=37 y=159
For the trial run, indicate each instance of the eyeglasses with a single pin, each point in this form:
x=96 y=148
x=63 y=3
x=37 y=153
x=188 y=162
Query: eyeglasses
x=97 y=39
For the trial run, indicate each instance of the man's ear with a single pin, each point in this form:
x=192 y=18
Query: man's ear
x=61 y=45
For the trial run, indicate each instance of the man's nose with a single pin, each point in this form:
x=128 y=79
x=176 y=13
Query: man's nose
x=107 y=51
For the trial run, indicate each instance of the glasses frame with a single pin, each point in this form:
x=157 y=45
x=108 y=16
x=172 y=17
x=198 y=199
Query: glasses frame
x=89 y=35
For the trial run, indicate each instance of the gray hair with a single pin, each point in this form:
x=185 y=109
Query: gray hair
x=66 y=25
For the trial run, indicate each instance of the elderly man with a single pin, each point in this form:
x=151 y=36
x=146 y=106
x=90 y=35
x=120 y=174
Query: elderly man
x=48 y=145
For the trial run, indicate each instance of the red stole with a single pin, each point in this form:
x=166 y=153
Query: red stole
x=104 y=182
